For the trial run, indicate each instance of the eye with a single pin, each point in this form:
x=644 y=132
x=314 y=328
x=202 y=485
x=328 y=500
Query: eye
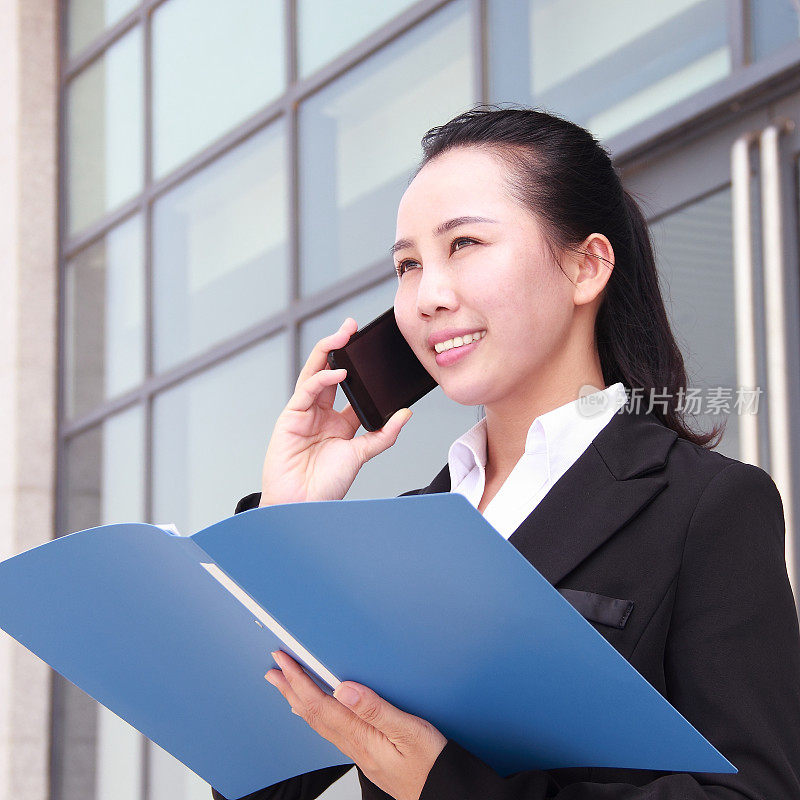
x=403 y=266
x=462 y=239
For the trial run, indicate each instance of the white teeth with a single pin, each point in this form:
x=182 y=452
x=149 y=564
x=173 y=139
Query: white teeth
x=458 y=341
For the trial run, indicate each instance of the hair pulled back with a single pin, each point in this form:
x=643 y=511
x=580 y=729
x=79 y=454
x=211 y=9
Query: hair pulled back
x=559 y=171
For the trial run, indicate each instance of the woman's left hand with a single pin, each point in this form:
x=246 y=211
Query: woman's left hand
x=393 y=749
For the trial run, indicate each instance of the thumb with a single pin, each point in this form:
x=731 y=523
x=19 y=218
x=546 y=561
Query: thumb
x=374 y=442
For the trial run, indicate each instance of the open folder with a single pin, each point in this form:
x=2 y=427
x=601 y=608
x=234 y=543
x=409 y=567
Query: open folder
x=417 y=597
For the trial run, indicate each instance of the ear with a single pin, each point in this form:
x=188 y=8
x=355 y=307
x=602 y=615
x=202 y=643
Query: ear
x=594 y=262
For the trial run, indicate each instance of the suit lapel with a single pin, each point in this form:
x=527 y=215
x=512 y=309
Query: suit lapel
x=605 y=488
x=441 y=483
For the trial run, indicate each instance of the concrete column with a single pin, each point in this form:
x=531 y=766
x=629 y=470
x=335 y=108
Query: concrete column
x=28 y=304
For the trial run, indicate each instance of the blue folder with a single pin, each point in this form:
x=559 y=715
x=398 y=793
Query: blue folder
x=418 y=598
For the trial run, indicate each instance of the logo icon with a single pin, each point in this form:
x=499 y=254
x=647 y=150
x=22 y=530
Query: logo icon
x=591 y=400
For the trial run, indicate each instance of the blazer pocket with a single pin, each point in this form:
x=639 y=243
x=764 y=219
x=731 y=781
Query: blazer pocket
x=599 y=608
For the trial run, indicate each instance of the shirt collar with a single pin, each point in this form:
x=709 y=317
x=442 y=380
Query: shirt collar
x=466 y=452
x=555 y=434
x=570 y=428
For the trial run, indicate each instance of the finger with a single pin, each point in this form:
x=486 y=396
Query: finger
x=323 y=713
x=375 y=442
x=309 y=392
x=318 y=358
x=398 y=726
x=350 y=417
x=278 y=680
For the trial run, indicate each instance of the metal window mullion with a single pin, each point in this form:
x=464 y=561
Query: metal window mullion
x=779 y=416
x=56 y=728
x=162 y=186
x=480 y=51
x=296 y=92
x=98 y=48
x=364 y=48
x=146 y=209
x=691 y=118
x=298 y=312
x=388 y=32
x=98 y=230
x=290 y=40
x=739 y=33
x=298 y=308
x=287 y=105
x=301 y=87
x=744 y=311
x=58 y=511
x=292 y=144
x=107 y=38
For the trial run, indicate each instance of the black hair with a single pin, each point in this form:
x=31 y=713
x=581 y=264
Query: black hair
x=561 y=173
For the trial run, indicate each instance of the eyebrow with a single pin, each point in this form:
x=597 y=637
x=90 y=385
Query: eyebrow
x=401 y=244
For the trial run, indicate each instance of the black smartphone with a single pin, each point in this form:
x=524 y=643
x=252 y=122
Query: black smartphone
x=383 y=374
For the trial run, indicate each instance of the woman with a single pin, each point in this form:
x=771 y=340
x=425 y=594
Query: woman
x=516 y=236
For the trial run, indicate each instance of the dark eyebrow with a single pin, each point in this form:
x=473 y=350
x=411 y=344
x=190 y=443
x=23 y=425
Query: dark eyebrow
x=401 y=244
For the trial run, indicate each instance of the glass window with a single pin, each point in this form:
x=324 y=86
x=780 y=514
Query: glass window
x=104 y=473
x=773 y=25
x=210 y=435
x=363 y=308
x=100 y=754
x=420 y=451
x=104 y=319
x=105 y=133
x=220 y=262
x=87 y=19
x=327 y=29
x=213 y=66
x=119 y=759
x=605 y=65
x=694 y=249
x=171 y=780
x=359 y=143
x=75 y=748
x=422 y=447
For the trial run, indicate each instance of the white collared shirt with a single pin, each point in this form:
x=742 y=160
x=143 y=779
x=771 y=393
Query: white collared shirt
x=555 y=441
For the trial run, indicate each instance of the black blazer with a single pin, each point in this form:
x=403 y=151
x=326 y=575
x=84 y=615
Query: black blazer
x=676 y=556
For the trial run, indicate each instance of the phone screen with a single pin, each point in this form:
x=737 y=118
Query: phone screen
x=383 y=374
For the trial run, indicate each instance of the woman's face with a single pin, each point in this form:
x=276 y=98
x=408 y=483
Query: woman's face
x=475 y=262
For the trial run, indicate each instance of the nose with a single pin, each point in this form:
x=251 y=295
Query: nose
x=435 y=291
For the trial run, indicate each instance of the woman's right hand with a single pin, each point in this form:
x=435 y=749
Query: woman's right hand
x=314 y=453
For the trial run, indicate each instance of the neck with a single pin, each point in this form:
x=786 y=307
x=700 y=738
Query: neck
x=509 y=420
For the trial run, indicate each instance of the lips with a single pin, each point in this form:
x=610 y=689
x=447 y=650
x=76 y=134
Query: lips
x=454 y=355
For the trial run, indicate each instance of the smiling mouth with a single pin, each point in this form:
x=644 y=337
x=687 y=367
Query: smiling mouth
x=459 y=341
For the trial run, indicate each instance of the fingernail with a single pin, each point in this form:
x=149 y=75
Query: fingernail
x=347 y=695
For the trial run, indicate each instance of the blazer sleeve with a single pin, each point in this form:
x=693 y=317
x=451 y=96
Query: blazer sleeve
x=302 y=787
x=731 y=659
x=248 y=502
x=310 y=785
